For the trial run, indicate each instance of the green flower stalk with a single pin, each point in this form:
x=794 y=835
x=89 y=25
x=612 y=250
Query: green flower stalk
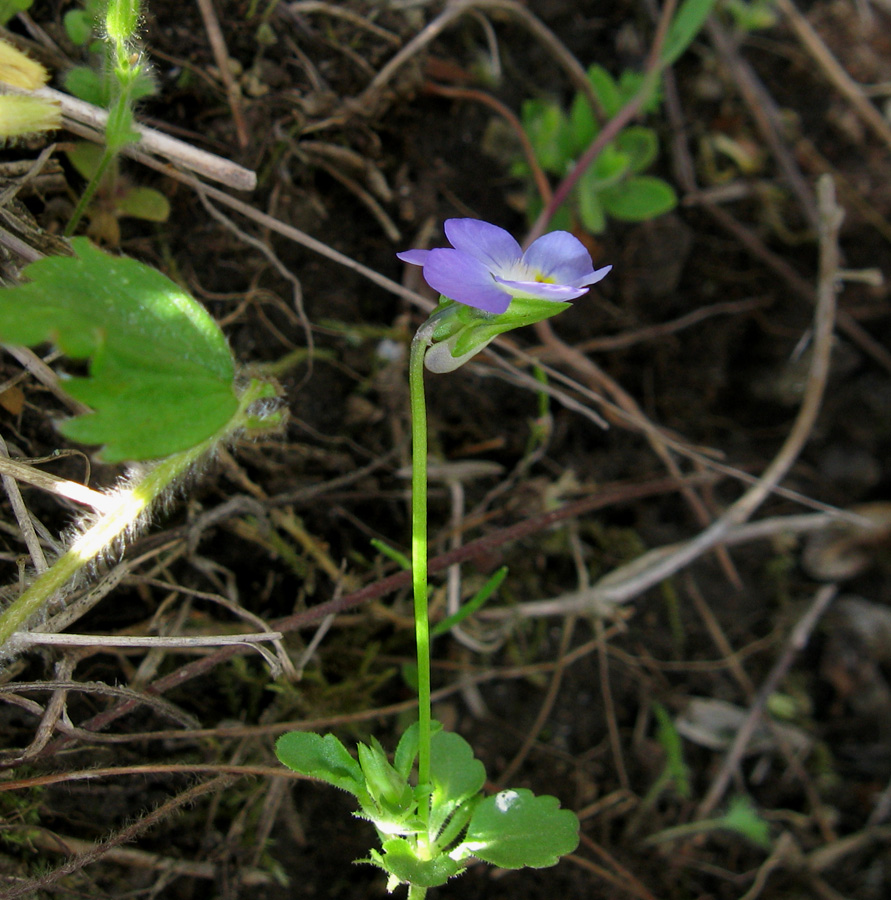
x=432 y=826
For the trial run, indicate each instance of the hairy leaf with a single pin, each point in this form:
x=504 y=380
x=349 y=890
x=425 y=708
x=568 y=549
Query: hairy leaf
x=161 y=373
x=399 y=860
x=324 y=758
x=515 y=828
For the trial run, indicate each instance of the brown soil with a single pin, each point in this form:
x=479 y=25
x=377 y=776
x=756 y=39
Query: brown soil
x=704 y=329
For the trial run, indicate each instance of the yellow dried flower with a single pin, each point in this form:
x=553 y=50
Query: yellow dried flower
x=21 y=114
x=20 y=70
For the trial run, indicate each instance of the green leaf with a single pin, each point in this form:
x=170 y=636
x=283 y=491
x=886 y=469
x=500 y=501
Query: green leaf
x=407 y=748
x=631 y=81
x=87 y=85
x=455 y=774
x=161 y=373
x=606 y=89
x=743 y=818
x=400 y=861
x=472 y=605
x=668 y=736
x=589 y=205
x=144 y=203
x=583 y=127
x=684 y=27
x=546 y=125
x=85 y=156
x=10 y=8
x=324 y=758
x=515 y=828
x=609 y=168
x=78 y=26
x=639 y=144
x=639 y=198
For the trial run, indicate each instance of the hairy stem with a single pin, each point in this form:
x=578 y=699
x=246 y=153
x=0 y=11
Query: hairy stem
x=116 y=521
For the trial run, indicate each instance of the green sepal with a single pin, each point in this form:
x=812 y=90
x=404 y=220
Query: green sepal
x=522 y=311
x=324 y=758
x=459 y=331
x=515 y=828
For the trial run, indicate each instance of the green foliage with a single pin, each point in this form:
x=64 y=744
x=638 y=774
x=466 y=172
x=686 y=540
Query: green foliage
x=117 y=78
x=742 y=818
x=161 y=373
x=685 y=25
x=97 y=83
x=516 y=828
x=613 y=186
x=676 y=769
x=421 y=827
x=752 y=15
x=115 y=196
x=11 y=8
x=324 y=758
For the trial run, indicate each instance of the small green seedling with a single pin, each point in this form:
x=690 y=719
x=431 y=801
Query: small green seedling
x=434 y=818
x=115 y=197
x=97 y=83
x=118 y=80
x=615 y=184
x=741 y=818
x=430 y=831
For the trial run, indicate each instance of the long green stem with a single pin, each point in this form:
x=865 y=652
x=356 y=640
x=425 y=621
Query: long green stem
x=419 y=543
x=89 y=191
x=122 y=516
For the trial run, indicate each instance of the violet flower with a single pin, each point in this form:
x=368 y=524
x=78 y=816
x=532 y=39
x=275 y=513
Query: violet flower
x=485 y=267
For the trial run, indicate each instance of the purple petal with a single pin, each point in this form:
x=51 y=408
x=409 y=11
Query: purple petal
x=542 y=290
x=491 y=245
x=460 y=277
x=597 y=275
x=561 y=257
x=415 y=257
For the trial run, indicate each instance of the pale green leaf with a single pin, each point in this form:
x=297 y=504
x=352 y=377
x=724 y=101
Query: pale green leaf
x=161 y=373
x=324 y=758
x=639 y=198
x=515 y=828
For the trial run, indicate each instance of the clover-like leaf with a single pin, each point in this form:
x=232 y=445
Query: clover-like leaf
x=515 y=828
x=324 y=758
x=161 y=373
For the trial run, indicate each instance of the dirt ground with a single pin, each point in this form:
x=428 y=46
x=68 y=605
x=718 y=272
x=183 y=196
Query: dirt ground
x=715 y=376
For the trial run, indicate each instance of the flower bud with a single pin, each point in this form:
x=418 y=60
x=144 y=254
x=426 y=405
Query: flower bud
x=122 y=20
